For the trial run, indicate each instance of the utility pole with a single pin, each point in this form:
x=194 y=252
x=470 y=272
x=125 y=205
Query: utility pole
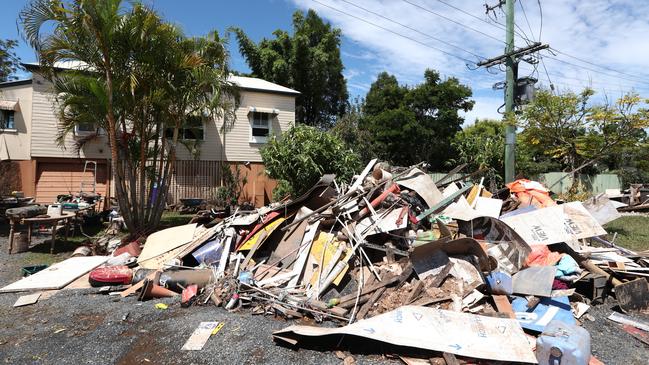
x=510 y=128
x=510 y=58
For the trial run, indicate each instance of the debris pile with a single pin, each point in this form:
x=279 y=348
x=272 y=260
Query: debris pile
x=444 y=266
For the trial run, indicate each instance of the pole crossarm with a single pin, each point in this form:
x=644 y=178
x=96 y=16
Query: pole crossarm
x=521 y=52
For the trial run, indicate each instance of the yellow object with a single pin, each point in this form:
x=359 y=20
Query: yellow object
x=262 y=233
x=316 y=254
x=161 y=306
x=218 y=328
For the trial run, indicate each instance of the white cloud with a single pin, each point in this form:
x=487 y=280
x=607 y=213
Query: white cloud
x=611 y=34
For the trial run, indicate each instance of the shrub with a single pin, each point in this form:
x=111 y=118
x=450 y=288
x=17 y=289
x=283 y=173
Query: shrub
x=302 y=155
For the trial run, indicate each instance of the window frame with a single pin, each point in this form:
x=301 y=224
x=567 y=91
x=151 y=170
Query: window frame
x=79 y=132
x=181 y=131
x=4 y=119
x=269 y=127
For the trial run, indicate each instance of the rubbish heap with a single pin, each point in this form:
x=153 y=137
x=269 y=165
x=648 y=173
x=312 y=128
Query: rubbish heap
x=444 y=266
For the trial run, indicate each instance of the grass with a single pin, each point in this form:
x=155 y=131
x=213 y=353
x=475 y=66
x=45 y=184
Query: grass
x=172 y=219
x=632 y=232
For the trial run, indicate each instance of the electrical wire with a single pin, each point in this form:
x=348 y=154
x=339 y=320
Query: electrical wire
x=393 y=32
x=455 y=21
x=414 y=29
x=553 y=57
x=541 y=18
x=520 y=3
x=591 y=63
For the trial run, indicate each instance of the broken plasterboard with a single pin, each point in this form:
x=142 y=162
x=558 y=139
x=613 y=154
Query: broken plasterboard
x=601 y=209
x=382 y=223
x=166 y=240
x=559 y=223
x=199 y=337
x=58 y=275
x=27 y=299
x=421 y=183
x=434 y=329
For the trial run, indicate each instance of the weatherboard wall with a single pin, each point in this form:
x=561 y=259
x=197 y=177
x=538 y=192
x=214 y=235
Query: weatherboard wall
x=17 y=140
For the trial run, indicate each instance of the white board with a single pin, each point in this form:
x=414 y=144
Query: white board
x=28 y=299
x=58 y=275
x=463 y=334
x=559 y=223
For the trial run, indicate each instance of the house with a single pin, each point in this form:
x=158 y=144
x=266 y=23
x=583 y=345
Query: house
x=28 y=133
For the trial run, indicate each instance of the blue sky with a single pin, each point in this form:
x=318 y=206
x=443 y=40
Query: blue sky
x=431 y=34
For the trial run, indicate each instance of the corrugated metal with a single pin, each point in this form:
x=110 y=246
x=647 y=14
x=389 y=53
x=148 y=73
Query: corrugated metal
x=595 y=184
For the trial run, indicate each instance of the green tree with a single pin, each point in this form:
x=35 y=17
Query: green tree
x=302 y=155
x=570 y=130
x=413 y=124
x=9 y=61
x=138 y=77
x=308 y=61
x=481 y=146
x=348 y=129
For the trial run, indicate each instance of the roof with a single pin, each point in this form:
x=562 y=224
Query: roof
x=15 y=83
x=247 y=83
x=253 y=83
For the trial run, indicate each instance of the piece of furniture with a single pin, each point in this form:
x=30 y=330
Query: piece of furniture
x=56 y=221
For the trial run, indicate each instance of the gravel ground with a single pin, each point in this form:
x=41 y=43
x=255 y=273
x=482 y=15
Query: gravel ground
x=79 y=327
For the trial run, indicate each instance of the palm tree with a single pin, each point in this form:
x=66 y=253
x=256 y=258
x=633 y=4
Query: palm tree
x=138 y=77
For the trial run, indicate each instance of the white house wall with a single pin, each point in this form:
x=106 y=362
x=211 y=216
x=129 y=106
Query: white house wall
x=18 y=141
x=45 y=129
x=237 y=139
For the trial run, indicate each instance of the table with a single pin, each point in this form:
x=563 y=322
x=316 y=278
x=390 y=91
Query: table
x=55 y=221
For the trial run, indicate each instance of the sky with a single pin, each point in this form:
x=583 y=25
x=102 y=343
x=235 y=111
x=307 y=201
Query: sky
x=596 y=43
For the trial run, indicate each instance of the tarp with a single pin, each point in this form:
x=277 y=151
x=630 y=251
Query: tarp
x=433 y=329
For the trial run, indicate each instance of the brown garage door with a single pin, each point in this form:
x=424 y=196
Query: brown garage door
x=54 y=178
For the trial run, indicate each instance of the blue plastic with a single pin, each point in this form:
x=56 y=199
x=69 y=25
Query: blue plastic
x=563 y=344
x=548 y=309
x=500 y=283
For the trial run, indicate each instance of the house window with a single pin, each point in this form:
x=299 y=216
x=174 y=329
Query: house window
x=7 y=119
x=85 y=128
x=192 y=131
x=260 y=127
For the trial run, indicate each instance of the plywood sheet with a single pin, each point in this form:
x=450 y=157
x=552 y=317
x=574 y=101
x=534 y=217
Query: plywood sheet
x=166 y=240
x=58 y=275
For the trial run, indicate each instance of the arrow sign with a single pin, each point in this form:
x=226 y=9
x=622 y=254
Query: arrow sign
x=457 y=347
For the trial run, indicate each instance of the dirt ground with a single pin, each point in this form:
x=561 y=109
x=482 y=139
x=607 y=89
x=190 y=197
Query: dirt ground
x=80 y=327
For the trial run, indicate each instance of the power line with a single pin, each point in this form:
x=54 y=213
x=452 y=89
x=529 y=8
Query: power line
x=453 y=20
x=414 y=29
x=541 y=16
x=552 y=57
x=393 y=32
x=629 y=86
x=527 y=20
x=591 y=63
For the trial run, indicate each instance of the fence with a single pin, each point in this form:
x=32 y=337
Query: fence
x=592 y=183
x=194 y=179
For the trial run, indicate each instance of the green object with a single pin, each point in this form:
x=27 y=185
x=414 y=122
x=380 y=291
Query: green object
x=307 y=59
x=31 y=270
x=333 y=302
x=510 y=132
x=161 y=306
x=425 y=237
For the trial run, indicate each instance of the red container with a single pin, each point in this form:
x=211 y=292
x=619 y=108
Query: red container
x=110 y=275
